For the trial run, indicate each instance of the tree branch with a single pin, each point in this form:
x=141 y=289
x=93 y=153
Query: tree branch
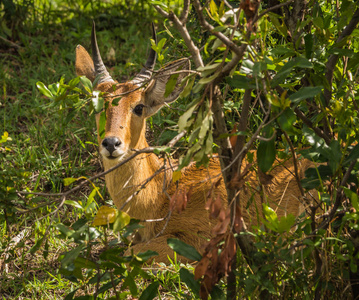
x=332 y=61
x=182 y=29
x=232 y=46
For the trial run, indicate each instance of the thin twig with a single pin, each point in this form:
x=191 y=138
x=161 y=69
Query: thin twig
x=11 y=43
x=256 y=18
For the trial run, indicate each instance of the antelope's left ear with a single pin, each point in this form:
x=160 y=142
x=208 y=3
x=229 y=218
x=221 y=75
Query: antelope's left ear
x=170 y=78
x=84 y=63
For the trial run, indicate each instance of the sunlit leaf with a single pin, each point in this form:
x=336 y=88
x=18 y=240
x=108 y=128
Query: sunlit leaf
x=105 y=215
x=122 y=220
x=43 y=89
x=184 y=118
x=69 y=180
x=97 y=101
x=176 y=175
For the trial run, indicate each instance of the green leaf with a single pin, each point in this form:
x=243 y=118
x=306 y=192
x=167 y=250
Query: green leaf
x=206 y=80
x=70 y=256
x=315 y=176
x=271 y=218
x=305 y=93
x=214 y=9
x=182 y=121
x=36 y=246
x=184 y=249
x=308 y=39
x=208 y=69
x=97 y=101
x=188 y=88
x=144 y=256
x=71 y=295
x=150 y=292
x=353 y=155
x=286 y=120
x=240 y=82
x=131 y=284
x=171 y=84
x=282 y=29
x=217 y=294
x=69 y=180
x=204 y=127
x=85 y=263
x=266 y=151
x=188 y=278
x=102 y=124
x=285 y=223
x=160 y=44
x=73 y=203
x=284 y=72
x=43 y=89
x=64 y=230
x=122 y=220
x=86 y=83
x=353 y=198
x=74 y=82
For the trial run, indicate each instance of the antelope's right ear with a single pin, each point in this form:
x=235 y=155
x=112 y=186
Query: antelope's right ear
x=84 y=63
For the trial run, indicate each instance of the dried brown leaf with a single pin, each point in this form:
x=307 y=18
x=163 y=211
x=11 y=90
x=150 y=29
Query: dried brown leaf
x=173 y=200
x=249 y=7
x=201 y=268
x=238 y=222
x=216 y=207
x=265 y=179
x=238 y=181
x=231 y=246
x=206 y=287
x=222 y=226
x=233 y=138
x=181 y=201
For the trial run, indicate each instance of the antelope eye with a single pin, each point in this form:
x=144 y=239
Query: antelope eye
x=138 y=110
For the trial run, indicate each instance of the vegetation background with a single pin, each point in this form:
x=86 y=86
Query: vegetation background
x=299 y=70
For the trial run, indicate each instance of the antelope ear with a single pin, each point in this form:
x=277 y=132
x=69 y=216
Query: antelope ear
x=84 y=63
x=156 y=95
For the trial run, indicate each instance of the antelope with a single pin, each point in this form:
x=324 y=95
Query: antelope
x=125 y=131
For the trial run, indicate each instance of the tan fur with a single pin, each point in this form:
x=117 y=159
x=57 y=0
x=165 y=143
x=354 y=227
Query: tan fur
x=193 y=225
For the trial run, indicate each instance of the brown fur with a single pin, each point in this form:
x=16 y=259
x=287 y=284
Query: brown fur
x=193 y=225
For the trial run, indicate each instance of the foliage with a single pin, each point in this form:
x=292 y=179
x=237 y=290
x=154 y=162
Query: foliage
x=267 y=81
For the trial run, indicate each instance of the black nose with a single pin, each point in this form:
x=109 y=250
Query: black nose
x=111 y=144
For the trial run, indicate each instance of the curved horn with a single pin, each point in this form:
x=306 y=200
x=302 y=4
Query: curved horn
x=146 y=71
x=100 y=68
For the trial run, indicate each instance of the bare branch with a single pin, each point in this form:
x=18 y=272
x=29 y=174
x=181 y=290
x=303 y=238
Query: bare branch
x=182 y=29
x=185 y=11
x=242 y=127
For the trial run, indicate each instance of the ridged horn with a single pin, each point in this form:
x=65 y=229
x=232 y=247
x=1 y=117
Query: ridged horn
x=146 y=71
x=100 y=68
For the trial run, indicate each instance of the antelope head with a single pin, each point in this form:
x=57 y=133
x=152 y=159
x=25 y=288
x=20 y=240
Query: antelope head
x=140 y=98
